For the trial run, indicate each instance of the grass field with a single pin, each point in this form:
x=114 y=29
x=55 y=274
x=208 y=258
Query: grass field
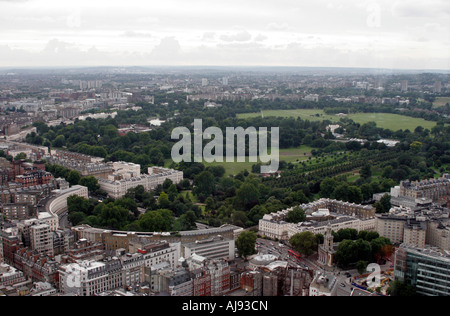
x=390 y=121
x=441 y=101
x=289 y=155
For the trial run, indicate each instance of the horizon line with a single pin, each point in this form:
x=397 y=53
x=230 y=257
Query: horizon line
x=226 y=66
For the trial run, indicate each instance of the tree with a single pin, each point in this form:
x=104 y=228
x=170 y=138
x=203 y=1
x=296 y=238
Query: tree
x=398 y=288
x=381 y=248
x=156 y=221
x=245 y=244
x=78 y=204
x=73 y=177
x=416 y=146
x=348 y=193
x=91 y=183
x=60 y=141
x=350 y=252
x=113 y=216
x=247 y=196
x=128 y=204
x=185 y=222
x=239 y=218
x=361 y=266
x=304 y=243
x=297 y=215
x=172 y=192
x=204 y=184
x=327 y=187
x=384 y=204
x=21 y=156
x=346 y=233
x=366 y=171
x=163 y=200
x=76 y=218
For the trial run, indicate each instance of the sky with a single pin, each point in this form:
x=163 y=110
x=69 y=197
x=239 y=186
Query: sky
x=389 y=34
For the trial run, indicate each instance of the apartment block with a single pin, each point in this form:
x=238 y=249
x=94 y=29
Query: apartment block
x=41 y=239
x=17 y=211
x=435 y=189
x=421 y=228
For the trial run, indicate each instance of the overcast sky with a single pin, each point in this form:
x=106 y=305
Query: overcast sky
x=400 y=34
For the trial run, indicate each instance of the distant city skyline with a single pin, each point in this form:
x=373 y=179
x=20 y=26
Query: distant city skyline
x=402 y=34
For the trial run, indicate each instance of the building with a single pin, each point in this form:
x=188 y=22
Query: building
x=312 y=98
x=37 y=267
x=113 y=240
x=437 y=88
x=343 y=215
x=201 y=281
x=438 y=234
x=10 y=276
x=427 y=270
x=177 y=283
x=57 y=205
x=84 y=164
x=404 y=86
x=220 y=277
x=323 y=285
x=418 y=228
x=84 y=249
x=157 y=252
x=9 y=244
x=90 y=278
x=327 y=250
x=117 y=186
x=435 y=189
x=212 y=248
x=33 y=178
x=41 y=239
x=17 y=211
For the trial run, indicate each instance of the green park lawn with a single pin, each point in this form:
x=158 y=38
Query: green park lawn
x=289 y=155
x=390 y=121
x=441 y=101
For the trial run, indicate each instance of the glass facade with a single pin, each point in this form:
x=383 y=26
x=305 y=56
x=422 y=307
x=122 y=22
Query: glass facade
x=426 y=270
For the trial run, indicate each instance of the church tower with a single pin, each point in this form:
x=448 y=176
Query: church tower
x=329 y=239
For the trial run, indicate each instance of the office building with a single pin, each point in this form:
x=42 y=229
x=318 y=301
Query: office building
x=427 y=270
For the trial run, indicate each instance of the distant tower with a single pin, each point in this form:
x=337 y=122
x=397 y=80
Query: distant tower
x=437 y=87
x=405 y=86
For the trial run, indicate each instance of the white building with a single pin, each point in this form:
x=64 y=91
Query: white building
x=10 y=275
x=323 y=285
x=89 y=278
x=41 y=239
x=57 y=207
x=213 y=248
x=126 y=169
x=118 y=188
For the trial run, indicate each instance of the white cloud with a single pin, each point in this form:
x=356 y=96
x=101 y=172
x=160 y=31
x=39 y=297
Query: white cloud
x=285 y=32
x=242 y=36
x=421 y=9
x=277 y=26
